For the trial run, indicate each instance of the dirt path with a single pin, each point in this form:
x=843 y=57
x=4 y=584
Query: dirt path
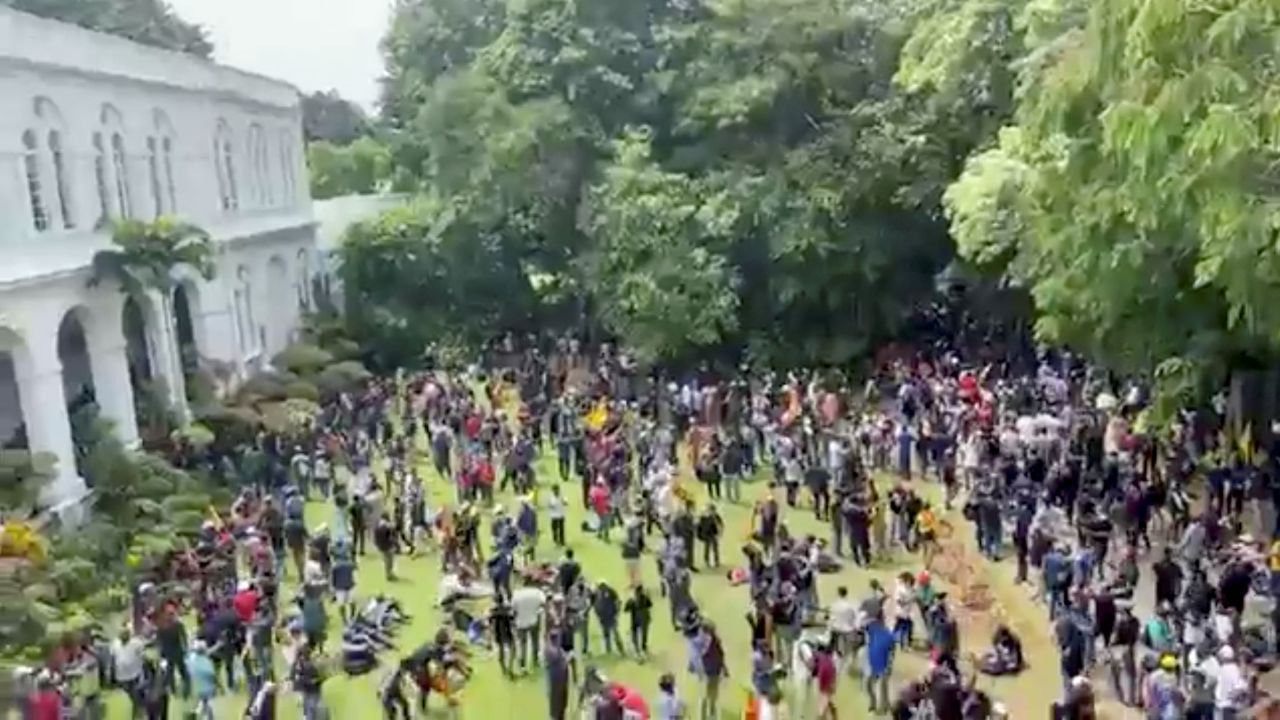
x=986 y=596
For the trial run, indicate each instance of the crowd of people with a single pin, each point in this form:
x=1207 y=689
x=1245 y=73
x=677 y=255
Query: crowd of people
x=1054 y=469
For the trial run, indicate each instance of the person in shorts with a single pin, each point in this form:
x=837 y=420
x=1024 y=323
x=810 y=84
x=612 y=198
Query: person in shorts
x=343 y=578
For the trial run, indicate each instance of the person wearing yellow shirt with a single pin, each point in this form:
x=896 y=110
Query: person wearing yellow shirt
x=927 y=533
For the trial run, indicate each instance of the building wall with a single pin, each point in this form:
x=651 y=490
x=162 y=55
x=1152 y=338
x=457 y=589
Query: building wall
x=95 y=128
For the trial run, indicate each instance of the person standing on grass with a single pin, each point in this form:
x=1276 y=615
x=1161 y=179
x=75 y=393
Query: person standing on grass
x=606 y=603
x=710 y=527
x=556 y=512
x=501 y=622
x=557 y=664
x=307 y=679
x=204 y=679
x=295 y=528
x=714 y=670
x=526 y=606
x=842 y=619
x=880 y=644
x=599 y=499
x=669 y=705
x=825 y=674
x=127 y=659
x=384 y=539
x=640 y=608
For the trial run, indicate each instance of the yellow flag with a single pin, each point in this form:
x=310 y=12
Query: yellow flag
x=1245 y=443
x=598 y=416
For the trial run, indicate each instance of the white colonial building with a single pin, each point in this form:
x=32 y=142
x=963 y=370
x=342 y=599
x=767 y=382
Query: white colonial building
x=94 y=128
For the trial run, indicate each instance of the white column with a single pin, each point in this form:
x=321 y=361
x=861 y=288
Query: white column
x=113 y=389
x=167 y=356
x=44 y=409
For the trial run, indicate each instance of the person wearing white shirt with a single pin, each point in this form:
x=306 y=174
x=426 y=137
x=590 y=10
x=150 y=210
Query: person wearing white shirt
x=526 y=607
x=127 y=658
x=556 y=511
x=1231 y=690
x=843 y=621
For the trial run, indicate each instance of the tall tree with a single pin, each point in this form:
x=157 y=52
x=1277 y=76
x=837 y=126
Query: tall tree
x=1136 y=193
x=328 y=117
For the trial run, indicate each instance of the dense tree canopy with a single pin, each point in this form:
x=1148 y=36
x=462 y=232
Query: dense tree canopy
x=329 y=117
x=782 y=179
x=705 y=178
x=150 y=22
x=1135 y=191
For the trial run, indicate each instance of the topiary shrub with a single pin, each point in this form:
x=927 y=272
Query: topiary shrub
x=194 y=434
x=231 y=425
x=302 y=358
x=263 y=386
x=343 y=349
x=302 y=390
x=290 y=417
x=341 y=377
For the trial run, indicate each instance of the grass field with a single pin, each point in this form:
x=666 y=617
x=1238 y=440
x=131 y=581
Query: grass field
x=491 y=696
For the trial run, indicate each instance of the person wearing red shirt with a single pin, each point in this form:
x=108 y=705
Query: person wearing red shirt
x=45 y=703
x=484 y=479
x=245 y=602
x=824 y=670
x=599 y=499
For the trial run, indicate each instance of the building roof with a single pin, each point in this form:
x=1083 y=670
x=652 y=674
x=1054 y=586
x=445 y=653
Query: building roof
x=48 y=45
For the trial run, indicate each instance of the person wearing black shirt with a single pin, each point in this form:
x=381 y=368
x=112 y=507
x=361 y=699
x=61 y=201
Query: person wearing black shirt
x=640 y=608
x=501 y=622
x=1168 y=578
x=384 y=539
x=604 y=600
x=1124 y=670
x=818 y=479
x=710 y=526
x=708 y=472
x=1234 y=586
x=568 y=572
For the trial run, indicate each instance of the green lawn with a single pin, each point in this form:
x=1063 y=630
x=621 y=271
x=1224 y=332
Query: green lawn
x=490 y=696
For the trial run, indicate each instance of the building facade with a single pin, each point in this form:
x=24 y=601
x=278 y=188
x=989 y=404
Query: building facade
x=93 y=129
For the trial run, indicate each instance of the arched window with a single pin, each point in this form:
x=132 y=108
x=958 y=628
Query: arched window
x=160 y=164
x=291 y=167
x=60 y=180
x=286 y=178
x=119 y=164
x=31 y=168
x=246 y=327
x=224 y=158
x=255 y=165
x=304 y=279
x=167 y=147
x=45 y=167
x=264 y=162
x=100 y=171
x=112 y=165
x=153 y=175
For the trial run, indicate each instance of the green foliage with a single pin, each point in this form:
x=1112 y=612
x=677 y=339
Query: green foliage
x=429 y=270
x=231 y=425
x=327 y=117
x=150 y=22
x=147 y=253
x=23 y=475
x=302 y=359
x=302 y=390
x=360 y=168
x=194 y=434
x=1135 y=195
x=661 y=277
x=289 y=418
x=697 y=179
